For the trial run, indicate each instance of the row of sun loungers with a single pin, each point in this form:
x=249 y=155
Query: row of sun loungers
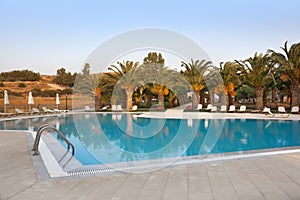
x=33 y=111
x=243 y=108
x=223 y=108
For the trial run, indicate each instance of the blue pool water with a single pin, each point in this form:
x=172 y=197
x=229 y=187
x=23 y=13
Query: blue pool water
x=122 y=138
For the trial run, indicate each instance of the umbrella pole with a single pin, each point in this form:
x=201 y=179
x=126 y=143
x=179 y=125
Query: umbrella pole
x=4 y=108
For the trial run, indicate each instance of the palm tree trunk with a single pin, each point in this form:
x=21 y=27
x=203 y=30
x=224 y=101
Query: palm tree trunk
x=259 y=98
x=98 y=102
x=201 y=97
x=295 y=90
x=129 y=92
x=160 y=99
x=265 y=97
x=273 y=95
x=148 y=101
x=195 y=100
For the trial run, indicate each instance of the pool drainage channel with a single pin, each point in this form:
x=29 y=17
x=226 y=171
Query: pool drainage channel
x=184 y=161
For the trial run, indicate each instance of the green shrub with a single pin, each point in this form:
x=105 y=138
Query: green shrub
x=20 y=75
x=21 y=85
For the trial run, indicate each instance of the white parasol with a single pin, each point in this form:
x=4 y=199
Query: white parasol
x=6 y=101
x=57 y=100
x=30 y=100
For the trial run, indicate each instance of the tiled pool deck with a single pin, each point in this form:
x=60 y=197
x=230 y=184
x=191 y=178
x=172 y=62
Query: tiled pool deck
x=267 y=177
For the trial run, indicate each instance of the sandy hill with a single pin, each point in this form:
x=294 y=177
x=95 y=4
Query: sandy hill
x=44 y=84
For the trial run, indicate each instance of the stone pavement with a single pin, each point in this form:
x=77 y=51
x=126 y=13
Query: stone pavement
x=269 y=177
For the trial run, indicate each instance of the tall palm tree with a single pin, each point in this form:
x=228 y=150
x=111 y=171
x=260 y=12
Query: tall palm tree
x=195 y=74
x=289 y=63
x=231 y=79
x=257 y=74
x=125 y=77
x=161 y=80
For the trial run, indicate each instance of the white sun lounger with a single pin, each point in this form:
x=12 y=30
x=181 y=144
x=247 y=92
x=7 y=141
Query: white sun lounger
x=208 y=108
x=199 y=107
x=268 y=112
x=242 y=108
x=231 y=108
x=282 y=111
x=20 y=112
x=114 y=107
x=119 y=108
x=46 y=110
x=134 y=108
x=223 y=108
x=214 y=109
x=295 y=109
x=35 y=111
x=104 y=108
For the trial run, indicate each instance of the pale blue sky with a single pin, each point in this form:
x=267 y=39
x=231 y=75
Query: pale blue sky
x=46 y=35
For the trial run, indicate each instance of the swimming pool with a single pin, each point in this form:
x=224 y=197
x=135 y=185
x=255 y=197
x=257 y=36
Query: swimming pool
x=113 y=138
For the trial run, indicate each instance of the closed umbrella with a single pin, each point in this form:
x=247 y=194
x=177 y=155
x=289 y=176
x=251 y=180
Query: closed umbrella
x=57 y=100
x=30 y=100
x=6 y=101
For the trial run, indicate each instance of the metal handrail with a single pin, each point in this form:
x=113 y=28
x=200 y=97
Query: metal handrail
x=38 y=137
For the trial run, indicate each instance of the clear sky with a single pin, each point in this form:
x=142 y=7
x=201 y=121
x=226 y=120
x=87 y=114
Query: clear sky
x=46 y=35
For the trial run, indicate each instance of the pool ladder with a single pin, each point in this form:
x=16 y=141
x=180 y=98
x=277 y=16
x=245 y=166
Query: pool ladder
x=43 y=128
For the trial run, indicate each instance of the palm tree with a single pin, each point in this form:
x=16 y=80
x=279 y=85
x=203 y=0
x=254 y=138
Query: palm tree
x=289 y=63
x=257 y=74
x=195 y=74
x=161 y=80
x=231 y=80
x=125 y=77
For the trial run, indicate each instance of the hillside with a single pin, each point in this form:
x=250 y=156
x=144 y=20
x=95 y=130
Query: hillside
x=44 y=84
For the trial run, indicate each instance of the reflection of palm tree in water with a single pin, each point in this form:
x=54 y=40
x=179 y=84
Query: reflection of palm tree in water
x=129 y=129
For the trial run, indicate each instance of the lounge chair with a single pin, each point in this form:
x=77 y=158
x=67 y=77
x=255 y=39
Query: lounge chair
x=282 y=111
x=214 y=109
x=114 y=107
x=119 y=108
x=199 y=107
x=87 y=108
x=134 y=108
x=295 y=109
x=20 y=112
x=242 y=108
x=208 y=108
x=103 y=108
x=268 y=112
x=59 y=111
x=35 y=111
x=231 y=108
x=223 y=108
x=46 y=110
x=6 y=114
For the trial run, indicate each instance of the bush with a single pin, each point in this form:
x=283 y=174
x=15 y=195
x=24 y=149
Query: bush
x=17 y=94
x=2 y=84
x=20 y=75
x=21 y=85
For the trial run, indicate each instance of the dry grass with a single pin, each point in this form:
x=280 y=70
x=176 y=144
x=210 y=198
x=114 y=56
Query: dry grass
x=45 y=84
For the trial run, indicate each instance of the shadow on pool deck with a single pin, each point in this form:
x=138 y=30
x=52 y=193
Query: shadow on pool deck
x=269 y=177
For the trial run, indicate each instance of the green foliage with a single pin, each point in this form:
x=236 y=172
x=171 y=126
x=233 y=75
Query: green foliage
x=19 y=75
x=154 y=58
x=64 y=78
x=245 y=92
x=22 y=85
x=85 y=82
x=49 y=93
